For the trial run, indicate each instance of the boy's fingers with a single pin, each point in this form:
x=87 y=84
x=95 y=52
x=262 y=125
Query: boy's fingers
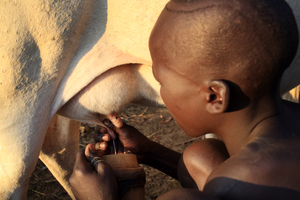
x=100 y=129
x=126 y=131
x=111 y=133
x=102 y=146
x=109 y=124
x=94 y=160
x=90 y=152
x=106 y=138
x=115 y=119
x=102 y=137
x=121 y=129
x=81 y=162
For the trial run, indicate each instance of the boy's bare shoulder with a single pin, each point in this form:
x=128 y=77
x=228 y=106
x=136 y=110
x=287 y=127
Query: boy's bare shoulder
x=264 y=169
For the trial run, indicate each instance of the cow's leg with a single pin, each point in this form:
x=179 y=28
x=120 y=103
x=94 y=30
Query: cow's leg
x=16 y=168
x=59 y=149
x=20 y=144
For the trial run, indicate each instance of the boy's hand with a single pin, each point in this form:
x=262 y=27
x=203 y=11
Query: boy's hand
x=102 y=138
x=146 y=151
x=92 y=182
x=131 y=139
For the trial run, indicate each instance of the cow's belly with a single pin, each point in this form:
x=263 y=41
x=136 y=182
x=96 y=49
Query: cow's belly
x=111 y=91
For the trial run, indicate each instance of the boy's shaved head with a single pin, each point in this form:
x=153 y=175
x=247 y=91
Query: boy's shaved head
x=250 y=42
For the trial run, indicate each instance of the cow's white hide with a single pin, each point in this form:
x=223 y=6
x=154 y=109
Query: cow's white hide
x=51 y=50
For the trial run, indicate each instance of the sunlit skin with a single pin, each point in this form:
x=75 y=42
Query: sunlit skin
x=210 y=83
x=174 y=92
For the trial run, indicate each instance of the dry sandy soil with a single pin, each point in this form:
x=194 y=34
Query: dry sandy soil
x=155 y=123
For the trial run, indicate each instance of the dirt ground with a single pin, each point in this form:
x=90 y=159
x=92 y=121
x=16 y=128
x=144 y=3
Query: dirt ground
x=156 y=123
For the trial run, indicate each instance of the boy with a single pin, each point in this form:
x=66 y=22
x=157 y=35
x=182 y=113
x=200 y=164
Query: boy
x=219 y=63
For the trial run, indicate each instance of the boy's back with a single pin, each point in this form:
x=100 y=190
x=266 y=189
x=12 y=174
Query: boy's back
x=268 y=166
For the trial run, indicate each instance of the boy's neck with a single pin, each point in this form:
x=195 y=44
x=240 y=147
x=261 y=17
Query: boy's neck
x=244 y=125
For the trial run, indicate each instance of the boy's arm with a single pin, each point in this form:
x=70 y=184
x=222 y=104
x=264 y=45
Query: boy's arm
x=147 y=151
x=154 y=154
x=162 y=158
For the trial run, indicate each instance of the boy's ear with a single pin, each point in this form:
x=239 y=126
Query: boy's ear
x=217 y=97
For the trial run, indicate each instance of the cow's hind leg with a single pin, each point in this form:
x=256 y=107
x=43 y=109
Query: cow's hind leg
x=19 y=151
x=59 y=149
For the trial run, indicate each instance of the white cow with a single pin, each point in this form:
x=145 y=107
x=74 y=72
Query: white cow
x=88 y=56
x=83 y=59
